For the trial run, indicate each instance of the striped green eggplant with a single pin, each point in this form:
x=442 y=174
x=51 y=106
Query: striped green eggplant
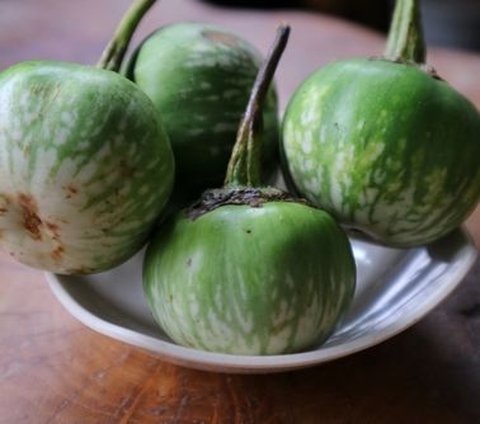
x=250 y=280
x=199 y=77
x=85 y=166
x=385 y=145
x=248 y=269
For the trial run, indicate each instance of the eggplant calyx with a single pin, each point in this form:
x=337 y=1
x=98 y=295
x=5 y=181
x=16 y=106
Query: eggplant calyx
x=427 y=69
x=254 y=197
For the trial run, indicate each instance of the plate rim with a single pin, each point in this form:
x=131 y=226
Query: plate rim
x=223 y=362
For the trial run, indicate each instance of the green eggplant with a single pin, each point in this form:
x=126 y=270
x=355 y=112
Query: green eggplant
x=248 y=269
x=85 y=163
x=384 y=144
x=199 y=77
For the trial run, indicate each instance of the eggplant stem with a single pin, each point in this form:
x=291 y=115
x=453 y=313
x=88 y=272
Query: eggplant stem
x=112 y=56
x=405 y=39
x=244 y=167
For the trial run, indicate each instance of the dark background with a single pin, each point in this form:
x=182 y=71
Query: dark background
x=448 y=23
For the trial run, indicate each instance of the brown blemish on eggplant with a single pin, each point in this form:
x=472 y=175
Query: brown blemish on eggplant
x=54 y=229
x=5 y=200
x=57 y=253
x=31 y=220
x=71 y=191
x=221 y=37
x=82 y=270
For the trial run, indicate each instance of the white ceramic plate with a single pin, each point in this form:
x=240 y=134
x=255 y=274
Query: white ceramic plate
x=395 y=289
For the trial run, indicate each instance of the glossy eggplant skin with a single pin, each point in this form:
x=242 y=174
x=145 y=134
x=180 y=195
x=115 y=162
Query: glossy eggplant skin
x=250 y=280
x=386 y=148
x=199 y=77
x=85 y=167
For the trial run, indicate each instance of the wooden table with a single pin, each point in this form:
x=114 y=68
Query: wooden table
x=53 y=369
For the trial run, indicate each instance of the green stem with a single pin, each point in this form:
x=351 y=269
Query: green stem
x=244 y=167
x=405 y=39
x=112 y=56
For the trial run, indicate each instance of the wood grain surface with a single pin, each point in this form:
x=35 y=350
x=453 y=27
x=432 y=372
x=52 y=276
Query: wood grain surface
x=54 y=370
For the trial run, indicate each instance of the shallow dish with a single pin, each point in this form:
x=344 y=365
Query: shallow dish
x=395 y=289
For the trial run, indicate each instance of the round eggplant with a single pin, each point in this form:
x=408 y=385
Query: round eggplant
x=85 y=164
x=199 y=77
x=384 y=144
